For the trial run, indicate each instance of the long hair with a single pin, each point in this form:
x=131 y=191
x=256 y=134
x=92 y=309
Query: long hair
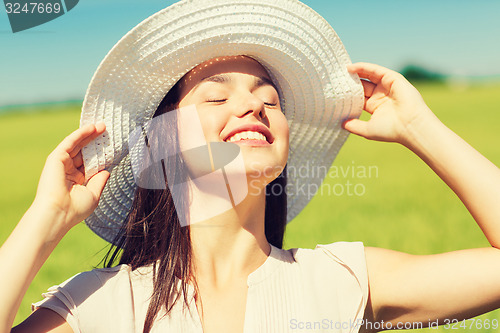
x=152 y=235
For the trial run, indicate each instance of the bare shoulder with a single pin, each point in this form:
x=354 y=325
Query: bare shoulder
x=384 y=276
x=43 y=321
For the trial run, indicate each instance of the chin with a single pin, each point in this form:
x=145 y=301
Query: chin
x=265 y=171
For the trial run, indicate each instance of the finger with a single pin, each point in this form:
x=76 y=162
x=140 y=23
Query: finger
x=76 y=177
x=366 y=107
x=72 y=140
x=67 y=161
x=78 y=160
x=72 y=164
x=356 y=126
x=82 y=169
x=99 y=129
x=368 y=87
x=97 y=182
x=372 y=72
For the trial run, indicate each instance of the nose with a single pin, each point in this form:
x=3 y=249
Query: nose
x=251 y=104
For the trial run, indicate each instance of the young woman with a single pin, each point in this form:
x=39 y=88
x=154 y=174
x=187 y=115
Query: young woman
x=228 y=273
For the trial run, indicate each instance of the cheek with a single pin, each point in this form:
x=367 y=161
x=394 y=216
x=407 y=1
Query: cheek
x=280 y=127
x=211 y=125
x=190 y=128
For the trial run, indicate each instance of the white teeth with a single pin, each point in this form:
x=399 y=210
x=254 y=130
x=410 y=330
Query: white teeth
x=247 y=135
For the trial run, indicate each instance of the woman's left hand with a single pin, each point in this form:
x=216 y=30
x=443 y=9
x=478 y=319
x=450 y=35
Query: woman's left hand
x=394 y=104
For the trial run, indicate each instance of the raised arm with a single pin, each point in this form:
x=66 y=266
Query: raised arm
x=452 y=285
x=62 y=200
x=399 y=114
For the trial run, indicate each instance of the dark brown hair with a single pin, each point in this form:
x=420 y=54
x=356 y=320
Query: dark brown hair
x=152 y=235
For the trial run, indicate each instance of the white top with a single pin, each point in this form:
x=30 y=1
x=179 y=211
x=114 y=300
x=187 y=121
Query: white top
x=297 y=290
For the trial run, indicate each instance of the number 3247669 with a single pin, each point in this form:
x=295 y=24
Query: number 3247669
x=32 y=8
x=474 y=323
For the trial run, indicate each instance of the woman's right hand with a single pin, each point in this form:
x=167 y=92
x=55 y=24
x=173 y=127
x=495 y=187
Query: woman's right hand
x=63 y=199
x=62 y=189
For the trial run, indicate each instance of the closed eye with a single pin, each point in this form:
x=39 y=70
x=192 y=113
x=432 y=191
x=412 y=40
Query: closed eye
x=222 y=100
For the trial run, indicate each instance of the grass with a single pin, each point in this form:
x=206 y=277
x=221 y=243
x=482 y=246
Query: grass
x=400 y=205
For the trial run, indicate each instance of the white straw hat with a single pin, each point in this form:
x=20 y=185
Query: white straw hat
x=302 y=53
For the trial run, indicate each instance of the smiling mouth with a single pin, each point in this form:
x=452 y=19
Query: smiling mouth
x=249 y=137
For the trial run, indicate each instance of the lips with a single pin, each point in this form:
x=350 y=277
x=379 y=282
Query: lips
x=249 y=132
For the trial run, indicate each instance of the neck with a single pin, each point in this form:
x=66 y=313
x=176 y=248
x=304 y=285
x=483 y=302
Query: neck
x=231 y=245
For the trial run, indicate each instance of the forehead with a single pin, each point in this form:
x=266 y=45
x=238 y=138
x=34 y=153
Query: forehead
x=220 y=65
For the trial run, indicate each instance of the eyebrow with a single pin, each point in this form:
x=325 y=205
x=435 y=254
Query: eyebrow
x=262 y=81
x=218 y=78
x=226 y=79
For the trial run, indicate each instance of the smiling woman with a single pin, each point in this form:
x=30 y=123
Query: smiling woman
x=229 y=99
x=269 y=84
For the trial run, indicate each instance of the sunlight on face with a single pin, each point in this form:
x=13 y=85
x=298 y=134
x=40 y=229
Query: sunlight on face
x=237 y=102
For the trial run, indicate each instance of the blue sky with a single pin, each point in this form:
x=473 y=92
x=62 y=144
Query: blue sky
x=55 y=61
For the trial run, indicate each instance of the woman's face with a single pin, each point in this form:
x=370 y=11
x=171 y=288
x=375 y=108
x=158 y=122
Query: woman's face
x=237 y=102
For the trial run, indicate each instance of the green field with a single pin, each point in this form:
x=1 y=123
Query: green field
x=396 y=203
